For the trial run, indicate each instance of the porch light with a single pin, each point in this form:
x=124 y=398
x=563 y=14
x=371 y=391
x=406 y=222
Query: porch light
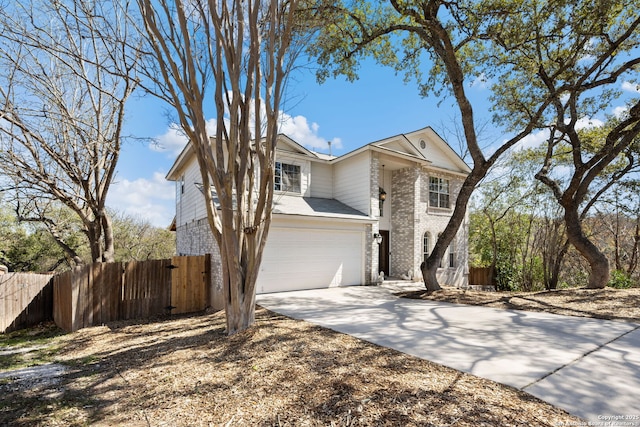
x=382 y=196
x=377 y=237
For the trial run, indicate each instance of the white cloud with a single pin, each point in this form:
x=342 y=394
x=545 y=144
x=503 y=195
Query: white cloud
x=152 y=199
x=586 y=123
x=298 y=129
x=533 y=140
x=480 y=81
x=620 y=111
x=172 y=141
x=631 y=87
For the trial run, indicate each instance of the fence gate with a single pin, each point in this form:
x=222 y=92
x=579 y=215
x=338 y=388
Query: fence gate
x=190 y=278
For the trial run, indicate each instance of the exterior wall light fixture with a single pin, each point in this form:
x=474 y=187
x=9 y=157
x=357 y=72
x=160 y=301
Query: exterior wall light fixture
x=382 y=196
x=377 y=238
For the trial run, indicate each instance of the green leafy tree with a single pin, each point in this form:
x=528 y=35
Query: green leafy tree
x=30 y=246
x=550 y=65
x=447 y=40
x=573 y=56
x=137 y=240
x=504 y=225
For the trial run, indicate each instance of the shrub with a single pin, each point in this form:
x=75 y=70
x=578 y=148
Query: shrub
x=620 y=280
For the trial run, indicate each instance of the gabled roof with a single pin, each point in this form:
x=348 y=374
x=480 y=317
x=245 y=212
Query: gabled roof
x=403 y=150
x=181 y=161
x=399 y=144
x=293 y=146
x=436 y=142
x=423 y=146
x=408 y=146
x=284 y=144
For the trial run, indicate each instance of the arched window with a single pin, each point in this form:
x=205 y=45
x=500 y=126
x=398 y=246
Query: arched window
x=425 y=246
x=452 y=254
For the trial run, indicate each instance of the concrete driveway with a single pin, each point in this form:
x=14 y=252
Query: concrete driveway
x=589 y=367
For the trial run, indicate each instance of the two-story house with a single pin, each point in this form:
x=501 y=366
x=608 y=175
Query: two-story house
x=341 y=221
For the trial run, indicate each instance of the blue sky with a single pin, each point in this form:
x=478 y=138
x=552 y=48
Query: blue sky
x=376 y=106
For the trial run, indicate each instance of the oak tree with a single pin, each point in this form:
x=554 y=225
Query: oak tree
x=549 y=65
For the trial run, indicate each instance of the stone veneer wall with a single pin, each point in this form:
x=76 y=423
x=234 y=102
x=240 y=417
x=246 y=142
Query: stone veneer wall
x=195 y=238
x=433 y=221
x=411 y=217
x=372 y=249
x=404 y=184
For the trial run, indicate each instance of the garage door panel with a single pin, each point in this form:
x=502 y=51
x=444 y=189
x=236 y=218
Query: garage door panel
x=296 y=259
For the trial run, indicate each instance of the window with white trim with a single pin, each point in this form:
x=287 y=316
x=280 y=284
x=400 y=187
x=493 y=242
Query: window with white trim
x=287 y=177
x=438 y=192
x=425 y=246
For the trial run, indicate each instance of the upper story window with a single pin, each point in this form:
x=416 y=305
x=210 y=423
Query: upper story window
x=287 y=177
x=438 y=192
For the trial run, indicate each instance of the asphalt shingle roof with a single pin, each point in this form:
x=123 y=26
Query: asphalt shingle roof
x=315 y=206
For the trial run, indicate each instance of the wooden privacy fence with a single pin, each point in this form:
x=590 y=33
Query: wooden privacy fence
x=105 y=292
x=25 y=300
x=481 y=276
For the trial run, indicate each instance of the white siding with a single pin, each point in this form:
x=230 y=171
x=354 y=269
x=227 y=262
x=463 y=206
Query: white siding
x=438 y=157
x=437 y=151
x=397 y=146
x=321 y=180
x=352 y=182
x=190 y=206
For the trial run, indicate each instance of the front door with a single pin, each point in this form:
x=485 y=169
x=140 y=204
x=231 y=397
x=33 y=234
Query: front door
x=383 y=253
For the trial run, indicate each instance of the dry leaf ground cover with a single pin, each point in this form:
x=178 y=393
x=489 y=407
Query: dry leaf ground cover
x=607 y=303
x=282 y=372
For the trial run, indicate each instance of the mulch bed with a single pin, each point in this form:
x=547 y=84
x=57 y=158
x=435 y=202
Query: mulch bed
x=282 y=372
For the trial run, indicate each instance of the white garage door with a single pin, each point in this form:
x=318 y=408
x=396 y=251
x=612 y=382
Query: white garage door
x=296 y=259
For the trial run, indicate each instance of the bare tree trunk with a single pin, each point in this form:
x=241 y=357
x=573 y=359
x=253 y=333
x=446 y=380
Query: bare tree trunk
x=94 y=233
x=599 y=274
x=556 y=265
x=109 y=246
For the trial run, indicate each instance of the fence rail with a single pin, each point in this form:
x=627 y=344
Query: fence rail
x=25 y=300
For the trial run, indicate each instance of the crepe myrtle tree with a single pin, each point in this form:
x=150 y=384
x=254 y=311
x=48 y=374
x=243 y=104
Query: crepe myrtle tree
x=228 y=59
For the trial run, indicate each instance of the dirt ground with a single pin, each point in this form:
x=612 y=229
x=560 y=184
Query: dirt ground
x=282 y=372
